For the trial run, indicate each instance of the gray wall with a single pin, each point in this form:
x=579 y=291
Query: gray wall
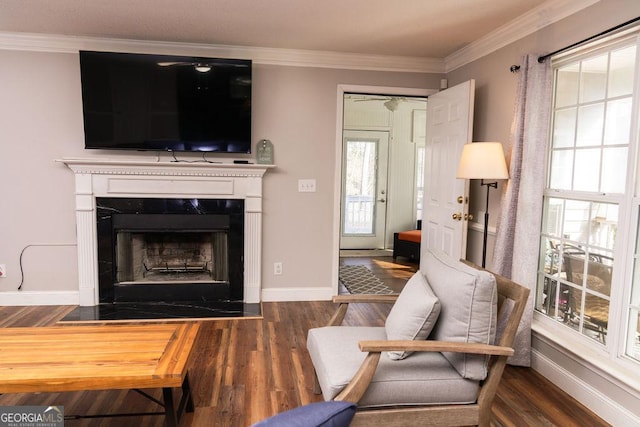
x=41 y=120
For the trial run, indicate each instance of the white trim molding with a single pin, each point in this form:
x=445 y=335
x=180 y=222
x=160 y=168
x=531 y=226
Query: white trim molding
x=528 y=23
x=259 y=55
x=19 y=298
x=606 y=408
x=586 y=373
x=297 y=294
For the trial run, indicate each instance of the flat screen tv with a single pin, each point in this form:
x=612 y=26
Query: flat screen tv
x=166 y=103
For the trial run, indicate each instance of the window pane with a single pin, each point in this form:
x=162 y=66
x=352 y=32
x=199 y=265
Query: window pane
x=593 y=78
x=589 y=316
x=574 y=303
x=360 y=187
x=419 y=181
x=614 y=169
x=552 y=219
x=599 y=275
x=633 y=329
x=576 y=221
x=567 y=86
x=587 y=170
x=564 y=128
x=604 y=226
x=621 y=73
x=550 y=298
x=618 y=122
x=633 y=335
x=590 y=125
x=561 y=170
x=596 y=317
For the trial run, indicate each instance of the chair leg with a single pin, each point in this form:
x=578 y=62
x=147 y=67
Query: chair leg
x=316 y=385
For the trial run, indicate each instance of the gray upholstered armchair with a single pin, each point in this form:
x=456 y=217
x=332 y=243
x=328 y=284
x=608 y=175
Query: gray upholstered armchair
x=438 y=359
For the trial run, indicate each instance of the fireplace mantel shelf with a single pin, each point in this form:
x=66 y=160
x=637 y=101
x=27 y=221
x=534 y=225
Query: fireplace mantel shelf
x=145 y=167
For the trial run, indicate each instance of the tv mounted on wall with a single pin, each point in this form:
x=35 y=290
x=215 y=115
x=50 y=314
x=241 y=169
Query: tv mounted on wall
x=166 y=103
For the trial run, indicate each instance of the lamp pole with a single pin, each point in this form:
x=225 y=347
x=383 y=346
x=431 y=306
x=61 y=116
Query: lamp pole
x=483 y=160
x=486 y=221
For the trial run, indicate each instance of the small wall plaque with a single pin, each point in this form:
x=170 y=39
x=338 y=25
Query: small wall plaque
x=264 y=152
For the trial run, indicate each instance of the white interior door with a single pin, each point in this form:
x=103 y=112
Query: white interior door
x=364 y=189
x=449 y=127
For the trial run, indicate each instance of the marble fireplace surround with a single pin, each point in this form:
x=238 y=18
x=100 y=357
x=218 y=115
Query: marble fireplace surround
x=96 y=177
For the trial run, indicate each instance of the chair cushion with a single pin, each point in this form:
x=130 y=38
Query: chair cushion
x=468 y=312
x=320 y=414
x=413 y=315
x=422 y=379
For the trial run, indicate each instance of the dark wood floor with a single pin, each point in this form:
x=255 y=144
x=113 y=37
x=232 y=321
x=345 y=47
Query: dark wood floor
x=243 y=371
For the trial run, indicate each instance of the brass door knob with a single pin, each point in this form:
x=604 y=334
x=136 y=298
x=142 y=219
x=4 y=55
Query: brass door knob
x=457 y=216
x=468 y=217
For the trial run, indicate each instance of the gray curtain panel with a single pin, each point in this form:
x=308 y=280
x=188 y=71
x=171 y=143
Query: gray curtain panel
x=517 y=238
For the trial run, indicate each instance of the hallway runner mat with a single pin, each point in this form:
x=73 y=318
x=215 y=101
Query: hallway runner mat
x=358 y=279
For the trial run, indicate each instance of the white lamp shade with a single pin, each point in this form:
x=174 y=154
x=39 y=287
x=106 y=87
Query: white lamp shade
x=482 y=160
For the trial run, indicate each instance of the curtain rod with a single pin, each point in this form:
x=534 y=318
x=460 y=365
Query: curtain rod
x=588 y=39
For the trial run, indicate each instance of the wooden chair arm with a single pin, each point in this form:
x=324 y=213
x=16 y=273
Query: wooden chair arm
x=439 y=346
x=354 y=391
x=365 y=298
x=344 y=300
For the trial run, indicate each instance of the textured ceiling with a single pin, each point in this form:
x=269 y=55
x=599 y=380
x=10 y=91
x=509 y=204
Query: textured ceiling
x=415 y=28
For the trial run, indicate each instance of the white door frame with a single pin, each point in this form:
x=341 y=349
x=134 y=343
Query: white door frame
x=337 y=181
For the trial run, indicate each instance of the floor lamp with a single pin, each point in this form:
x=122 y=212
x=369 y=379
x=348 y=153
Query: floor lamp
x=483 y=160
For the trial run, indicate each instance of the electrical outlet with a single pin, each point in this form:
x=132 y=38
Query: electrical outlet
x=277 y=268
x=3 y=270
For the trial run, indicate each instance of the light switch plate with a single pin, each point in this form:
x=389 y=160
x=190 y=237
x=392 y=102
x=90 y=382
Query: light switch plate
x=307 y=185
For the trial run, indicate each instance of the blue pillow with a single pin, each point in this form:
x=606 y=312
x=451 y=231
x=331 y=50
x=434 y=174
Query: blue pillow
x=320 y=414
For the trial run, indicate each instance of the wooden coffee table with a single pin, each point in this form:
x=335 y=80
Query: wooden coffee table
x=100 y=357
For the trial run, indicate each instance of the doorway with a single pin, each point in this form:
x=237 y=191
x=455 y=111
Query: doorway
x=382 y=150
x=342 y=91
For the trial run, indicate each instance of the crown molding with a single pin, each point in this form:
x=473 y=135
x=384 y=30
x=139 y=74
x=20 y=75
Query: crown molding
x=259 y=55
x=528 y=23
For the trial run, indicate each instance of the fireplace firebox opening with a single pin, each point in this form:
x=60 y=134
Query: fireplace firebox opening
x=178 y=257
x=170 y=250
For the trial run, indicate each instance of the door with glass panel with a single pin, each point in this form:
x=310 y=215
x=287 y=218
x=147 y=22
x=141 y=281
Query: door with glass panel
x=364 y=189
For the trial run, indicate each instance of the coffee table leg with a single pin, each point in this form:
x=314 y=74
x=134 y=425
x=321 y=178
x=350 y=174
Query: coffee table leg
x=170 y=415
x=173 y=414
x=187 y=401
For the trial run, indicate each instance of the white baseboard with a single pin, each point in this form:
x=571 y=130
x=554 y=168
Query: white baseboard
x=40 y=298
x=606 y=408
x=297 y=294
x=73 y=297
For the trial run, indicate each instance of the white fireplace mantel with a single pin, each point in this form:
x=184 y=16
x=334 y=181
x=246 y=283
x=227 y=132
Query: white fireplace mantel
x=97 y=177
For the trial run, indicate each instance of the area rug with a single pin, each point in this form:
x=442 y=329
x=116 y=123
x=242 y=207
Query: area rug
x=358 y=279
